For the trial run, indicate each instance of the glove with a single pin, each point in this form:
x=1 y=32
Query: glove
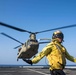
x=28 y=61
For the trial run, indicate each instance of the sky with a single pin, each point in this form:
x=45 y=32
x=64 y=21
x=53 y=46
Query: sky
x=35 y=15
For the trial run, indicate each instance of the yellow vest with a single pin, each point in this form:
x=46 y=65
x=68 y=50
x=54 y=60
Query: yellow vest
x=56 y=55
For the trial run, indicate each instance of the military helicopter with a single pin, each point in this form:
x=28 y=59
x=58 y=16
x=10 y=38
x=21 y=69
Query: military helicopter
x=30 y=47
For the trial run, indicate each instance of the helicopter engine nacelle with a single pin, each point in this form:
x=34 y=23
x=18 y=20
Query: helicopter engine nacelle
x=29 y=49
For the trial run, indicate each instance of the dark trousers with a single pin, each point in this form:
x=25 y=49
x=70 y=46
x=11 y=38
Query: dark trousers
x=57 y=72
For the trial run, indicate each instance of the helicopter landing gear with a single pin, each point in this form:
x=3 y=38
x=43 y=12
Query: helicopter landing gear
x=17 y=59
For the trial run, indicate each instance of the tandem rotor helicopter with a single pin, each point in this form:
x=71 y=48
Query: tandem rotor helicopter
x=30 y=47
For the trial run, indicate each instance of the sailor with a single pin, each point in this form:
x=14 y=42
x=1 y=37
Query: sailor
x=55 y=53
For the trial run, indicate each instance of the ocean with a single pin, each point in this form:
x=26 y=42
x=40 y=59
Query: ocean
x=33 y=66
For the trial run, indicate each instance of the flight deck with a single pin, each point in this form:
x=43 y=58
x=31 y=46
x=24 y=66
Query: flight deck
x=31 y=71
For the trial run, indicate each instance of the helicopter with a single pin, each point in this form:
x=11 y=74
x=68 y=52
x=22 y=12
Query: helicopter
x=31 y=46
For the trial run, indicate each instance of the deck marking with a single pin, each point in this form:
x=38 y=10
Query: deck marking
x=38 y=72
x=7 y=71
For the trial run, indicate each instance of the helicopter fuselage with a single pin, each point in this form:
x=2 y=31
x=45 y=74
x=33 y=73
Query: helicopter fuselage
x=28 y=49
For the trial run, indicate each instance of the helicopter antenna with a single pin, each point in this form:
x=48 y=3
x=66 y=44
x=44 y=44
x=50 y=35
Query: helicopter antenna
x=69 y=26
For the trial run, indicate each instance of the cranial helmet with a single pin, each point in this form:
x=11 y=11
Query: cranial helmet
x=58 y=34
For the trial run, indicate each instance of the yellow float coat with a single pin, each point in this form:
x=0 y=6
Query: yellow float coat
x=56 y=55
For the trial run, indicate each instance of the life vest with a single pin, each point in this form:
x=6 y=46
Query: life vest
x=56 y=57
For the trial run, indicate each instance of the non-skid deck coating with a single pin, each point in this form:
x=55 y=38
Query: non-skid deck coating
x=31 y=71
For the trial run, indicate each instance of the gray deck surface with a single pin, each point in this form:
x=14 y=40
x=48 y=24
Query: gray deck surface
x=31 y=71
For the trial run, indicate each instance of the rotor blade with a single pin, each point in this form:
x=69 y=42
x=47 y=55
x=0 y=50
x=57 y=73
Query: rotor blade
x=13 y=27
x=44 y=39
x=11 y=38
x=44 y=42
x=17 y=47
x=74 y=25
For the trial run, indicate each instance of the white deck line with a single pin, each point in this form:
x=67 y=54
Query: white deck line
x=38 y=72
